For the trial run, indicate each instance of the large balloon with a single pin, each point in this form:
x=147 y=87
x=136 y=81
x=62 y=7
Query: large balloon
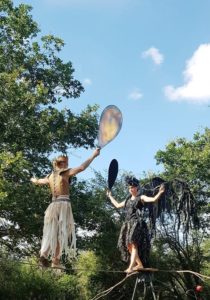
x=109 y=125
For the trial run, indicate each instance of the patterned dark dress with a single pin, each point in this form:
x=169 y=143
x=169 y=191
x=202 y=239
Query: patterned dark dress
x=134 y=230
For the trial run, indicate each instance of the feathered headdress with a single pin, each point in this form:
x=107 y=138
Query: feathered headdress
x=132 y=181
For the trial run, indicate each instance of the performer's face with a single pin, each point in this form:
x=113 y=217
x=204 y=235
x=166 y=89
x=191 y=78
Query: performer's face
x=133 y=190
x=62 y=164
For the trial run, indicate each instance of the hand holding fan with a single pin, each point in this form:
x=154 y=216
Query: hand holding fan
x=109 y=125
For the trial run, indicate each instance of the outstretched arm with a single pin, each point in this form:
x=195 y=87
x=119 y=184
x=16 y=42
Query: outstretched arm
x=156 y=197
x=84 y=165
x=40 y=181
x=114 y=202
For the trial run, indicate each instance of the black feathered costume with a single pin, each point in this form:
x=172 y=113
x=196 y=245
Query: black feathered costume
x=140 y=218
x=134 y=230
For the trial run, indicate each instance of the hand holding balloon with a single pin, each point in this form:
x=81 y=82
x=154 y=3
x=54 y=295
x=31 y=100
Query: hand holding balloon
x=96 y=152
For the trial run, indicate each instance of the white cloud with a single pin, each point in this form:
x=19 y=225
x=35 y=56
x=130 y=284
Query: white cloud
x=196 y=87
x=87 y=81
x=135 y=95
x=155 y=55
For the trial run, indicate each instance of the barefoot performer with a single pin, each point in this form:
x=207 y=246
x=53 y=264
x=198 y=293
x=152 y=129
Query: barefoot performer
x=59 y=230
x=134 y=239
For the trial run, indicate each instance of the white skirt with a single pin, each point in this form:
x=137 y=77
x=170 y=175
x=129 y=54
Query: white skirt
x=59 y=230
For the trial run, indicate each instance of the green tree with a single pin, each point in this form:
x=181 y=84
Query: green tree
x=188 y=161
x=172 y=249
x=24 y=281
x=33 y=81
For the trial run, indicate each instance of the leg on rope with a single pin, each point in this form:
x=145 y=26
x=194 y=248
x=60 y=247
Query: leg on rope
x=44 y=262
x=56 y=259
x=135 y=262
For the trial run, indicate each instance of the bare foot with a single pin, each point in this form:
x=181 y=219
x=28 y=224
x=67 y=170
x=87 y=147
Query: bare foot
x=56 y=261
x=138 y=267
x=128 y=270
x=57 y=266
x=44 y=262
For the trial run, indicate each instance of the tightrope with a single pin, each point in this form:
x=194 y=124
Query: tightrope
x=200 y=276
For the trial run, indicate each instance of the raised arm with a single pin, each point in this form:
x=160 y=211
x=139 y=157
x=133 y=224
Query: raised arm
x=156 y=197
x=85 y=164
x=40 y=181
x=114 y=202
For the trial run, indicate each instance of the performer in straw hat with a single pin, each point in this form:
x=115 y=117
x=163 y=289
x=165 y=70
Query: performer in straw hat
x=59 y=231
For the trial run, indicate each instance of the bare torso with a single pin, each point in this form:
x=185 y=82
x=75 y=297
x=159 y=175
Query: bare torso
x=59 y=183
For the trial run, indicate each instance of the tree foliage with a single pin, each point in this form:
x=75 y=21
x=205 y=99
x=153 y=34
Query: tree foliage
x=24 y=281
x=33 y=81
x=188 y=161
x=173 y=248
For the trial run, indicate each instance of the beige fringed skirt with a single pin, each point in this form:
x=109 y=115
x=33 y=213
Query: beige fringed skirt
x=59 y=231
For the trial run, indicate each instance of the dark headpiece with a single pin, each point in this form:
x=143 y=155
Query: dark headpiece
x=132 y=181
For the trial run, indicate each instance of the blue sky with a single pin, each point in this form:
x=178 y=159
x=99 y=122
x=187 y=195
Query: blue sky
x=151 y=58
